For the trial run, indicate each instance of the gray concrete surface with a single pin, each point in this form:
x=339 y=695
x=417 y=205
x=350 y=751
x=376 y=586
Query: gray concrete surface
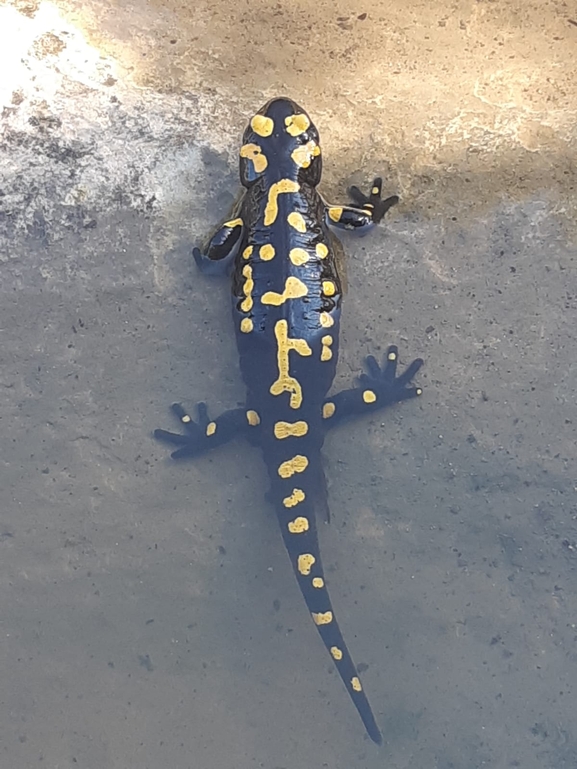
x=148 y=614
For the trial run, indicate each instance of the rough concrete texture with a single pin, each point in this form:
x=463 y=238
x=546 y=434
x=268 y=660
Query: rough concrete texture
x=149 y=617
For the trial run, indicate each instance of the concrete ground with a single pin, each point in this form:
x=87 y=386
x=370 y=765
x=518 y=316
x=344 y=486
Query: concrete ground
x=148 y=614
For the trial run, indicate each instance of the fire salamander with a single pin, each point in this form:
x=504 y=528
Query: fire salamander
x=286 y=297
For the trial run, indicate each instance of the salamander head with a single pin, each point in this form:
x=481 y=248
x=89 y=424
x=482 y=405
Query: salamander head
x=281 y=142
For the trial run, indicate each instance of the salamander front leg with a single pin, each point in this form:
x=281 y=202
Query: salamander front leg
x=367 y=210
x=206 y=434
x=379 y=387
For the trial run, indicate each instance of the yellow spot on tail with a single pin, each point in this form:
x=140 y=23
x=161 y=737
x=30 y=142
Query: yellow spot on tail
x=321 y=250
x=305 y=562
x=326 y=320
x=336 y=653
x=335 y=213
x=298 y=256
x=295 y=498
x=271 y=210
x=297 y=221
x=288 y=429
x=329 y=288
x=293 y=289
x=254 y=152
x=246 y=304
x=247 y=252
x=328 y=410
x=326 y=352
x=286 y=383
x=246 y=325
x=185 y=419
x=233 y=223
x=322 y=618
x=266 y=253
x=211 y=428
x=297 y=464
x=252 y=418
x=303 y=155
x=297 y=124
x=318 y=582
x=298 y=526
x=356 y=684
x=261 y=125
x=369 y=396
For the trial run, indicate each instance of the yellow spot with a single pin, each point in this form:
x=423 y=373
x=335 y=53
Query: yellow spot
x=297 y=464
x=211 y=428
x=328 y=410
x=297 y=124
x=335 y=213
x=326 y=320
x=246 y=304
x=233 y=223
x=326 y=352
x=336 y=653
x=185 y=419
x=247 y=252
x=293 y=289
x=252 y=418
x=297 y=221
x=321 y=250
x=246 y=325
x=322 y=618
x=375 y=191
x=329 y=288
x=392 y=356
x=298 y=256
x=303 y=155
x=305 y=563
x=285 y=382
x=299 y=525
x=419 y=391
x=288 y=429
x=295 y=498
x=266 y=252
x=369 y=396
x=318 y=582
x=271 y=210
x=254 y=152
x=261 y=125
x=356 y=684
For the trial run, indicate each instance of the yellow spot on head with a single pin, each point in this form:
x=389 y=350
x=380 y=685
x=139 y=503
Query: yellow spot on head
x=185 y=419
x=329 y=288
x=261 y=125
x=321 y=250
x=326 y=352
x=297 y=221
x=326 y=320
x=246 y=325
x=233 y=223
x=288 y=429
x=293 y=289
x=356 y=684
x=247 y=252
x=286 y=383
x=252 y=418
x=254 y=152
x=336 y=653
x=303 y=155
x=322 y=618
x=297 y=464
x=335 y=213
x=295 y=498
x=297 y=124
x=369 y=396
x=299 y=525
x=305 y=563
x=318 y=582
x=211 y=428
x=328 y=410
x=271 y=210
x=298 y=256
x=266 y=252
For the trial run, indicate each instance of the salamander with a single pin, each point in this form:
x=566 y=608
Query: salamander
x=286 y=305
